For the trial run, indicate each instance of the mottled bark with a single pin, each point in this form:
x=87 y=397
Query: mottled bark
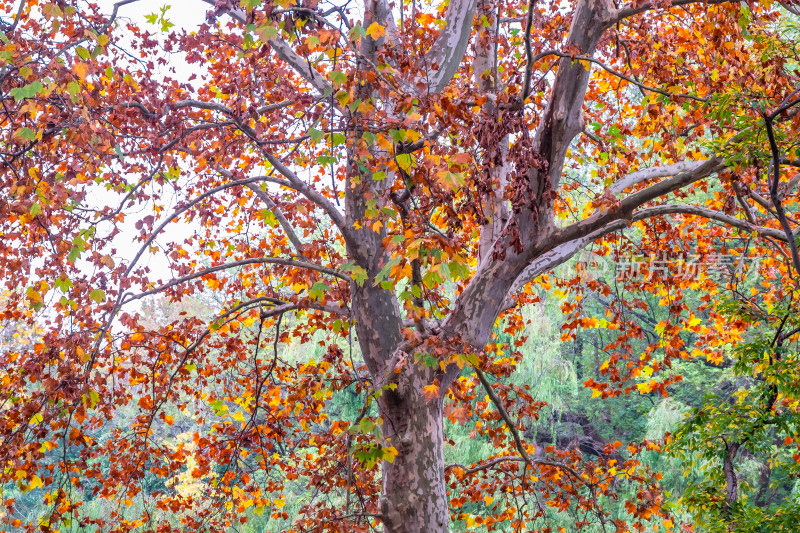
x=484 y=67
x=414 y=494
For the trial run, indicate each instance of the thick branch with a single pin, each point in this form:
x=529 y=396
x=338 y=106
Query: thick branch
x=630 y=203
x=285 y=52
x=646 y=174
x=566 y=251
x=444 y=57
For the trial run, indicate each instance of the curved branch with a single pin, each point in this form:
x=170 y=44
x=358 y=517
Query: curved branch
x=698 y=211
x=312 y=194
x=645 y=174
x=515 y=433
x=178 y=212
x=626 y=207
x=287 y=227
x=564 y=252
x=214 y=106
x=627 y=12
x=773 y=191
x=235 y=264
x=618 y=74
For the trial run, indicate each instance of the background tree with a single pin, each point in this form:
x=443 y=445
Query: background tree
x=397 y=182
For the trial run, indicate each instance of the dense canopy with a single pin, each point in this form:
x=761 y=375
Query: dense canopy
x=298 y=266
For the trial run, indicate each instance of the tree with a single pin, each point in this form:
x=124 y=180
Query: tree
x=400 y=180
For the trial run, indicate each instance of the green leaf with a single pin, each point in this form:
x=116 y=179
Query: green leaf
x=357 y=32
x=29 y=91
x=266 y=32
x=416 y=291
x=94 y=397
x=83 y=53
x=358 y=274
x=250 y=4
x=318 y=290
x=63 y=284
x=35 y=209
x=366 y=426
x=98 y=295
x=26 y=134
x=379 y=176
x=405 y=161
x=338 y=77
x=269 y=217
x=316 y=135
x=338 y=138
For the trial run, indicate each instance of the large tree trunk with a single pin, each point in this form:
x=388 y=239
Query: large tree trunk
x=414 y=496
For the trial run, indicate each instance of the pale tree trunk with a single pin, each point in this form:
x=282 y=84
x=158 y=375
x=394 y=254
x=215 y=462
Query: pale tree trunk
x=414 y=494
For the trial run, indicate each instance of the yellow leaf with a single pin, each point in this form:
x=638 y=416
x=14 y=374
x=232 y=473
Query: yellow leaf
x=390 y=453
x=169 y=420
x=644 y=388
x=36 y=482
x=80 y=70
x=488 y=500
x=279 y=503
x=375 y=31
x=430 y=391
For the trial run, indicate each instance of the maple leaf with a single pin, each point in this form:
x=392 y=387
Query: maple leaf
x=375 y=30
x=431 y=392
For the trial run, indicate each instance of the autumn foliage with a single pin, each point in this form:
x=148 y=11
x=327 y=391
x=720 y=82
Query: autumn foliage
x=344 y=204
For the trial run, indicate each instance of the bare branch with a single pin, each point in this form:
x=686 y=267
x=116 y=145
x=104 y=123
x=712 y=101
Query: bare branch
x=486 y=465
x=526 y=85
x=515 y=432
x=178 y=212
x=618 y=74
x=564 y=252
x=512 y=427
x=300 y=65
x=630 y=203
x=696 y=210
x=213 y=106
